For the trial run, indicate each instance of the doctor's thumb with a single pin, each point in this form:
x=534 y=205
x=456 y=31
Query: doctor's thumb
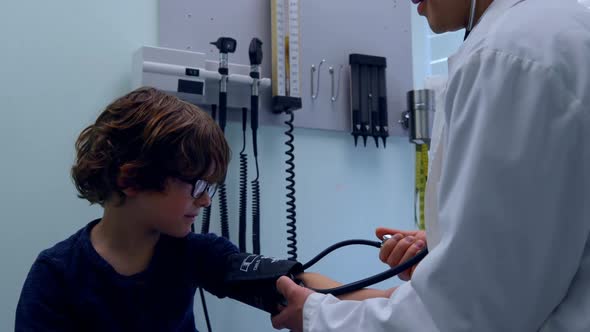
x=381 y=231
x=285 y=286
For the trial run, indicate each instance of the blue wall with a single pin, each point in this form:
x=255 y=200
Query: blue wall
x=61 y=62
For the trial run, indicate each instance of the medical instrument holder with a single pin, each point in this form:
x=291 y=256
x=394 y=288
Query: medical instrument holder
x=191 y=77
x=188 y=25
x=368 y=91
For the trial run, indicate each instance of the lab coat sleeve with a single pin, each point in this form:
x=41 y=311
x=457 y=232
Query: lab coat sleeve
x=327 y=313
x=511 y=211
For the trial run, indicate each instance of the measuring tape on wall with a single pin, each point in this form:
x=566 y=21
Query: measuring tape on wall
x=421 y=177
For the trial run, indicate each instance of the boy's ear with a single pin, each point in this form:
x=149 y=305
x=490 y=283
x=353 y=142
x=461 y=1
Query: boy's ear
x=124 y=180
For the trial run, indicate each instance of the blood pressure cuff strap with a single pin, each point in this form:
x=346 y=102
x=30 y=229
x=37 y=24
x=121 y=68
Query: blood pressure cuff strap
x=251 y=279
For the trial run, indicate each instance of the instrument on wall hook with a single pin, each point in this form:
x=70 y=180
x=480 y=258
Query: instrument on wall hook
x=255 y=55
x=225 y=45
x=315 y=89
x=243 y=185
x=337 y=85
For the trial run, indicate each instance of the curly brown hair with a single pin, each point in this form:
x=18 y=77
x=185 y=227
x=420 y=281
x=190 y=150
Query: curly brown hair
x=155 y=135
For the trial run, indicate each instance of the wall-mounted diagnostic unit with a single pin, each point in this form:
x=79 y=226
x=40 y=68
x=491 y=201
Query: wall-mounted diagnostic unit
x=299 y=35
x=286 y=72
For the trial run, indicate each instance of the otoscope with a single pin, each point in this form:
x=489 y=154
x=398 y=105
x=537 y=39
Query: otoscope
x=255 y=54
x=225 y=45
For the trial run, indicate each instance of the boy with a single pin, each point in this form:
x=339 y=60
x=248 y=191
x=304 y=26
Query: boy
x=152 y=162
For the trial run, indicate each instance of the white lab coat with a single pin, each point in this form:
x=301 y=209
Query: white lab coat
x=509 y=190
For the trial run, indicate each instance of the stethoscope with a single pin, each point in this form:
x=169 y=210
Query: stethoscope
x=471 y=19
x=354 y=286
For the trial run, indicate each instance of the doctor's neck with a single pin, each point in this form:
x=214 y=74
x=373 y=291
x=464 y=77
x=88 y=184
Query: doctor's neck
x=480 y=7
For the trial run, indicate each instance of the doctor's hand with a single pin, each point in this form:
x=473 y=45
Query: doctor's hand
x=401 y=247
x=291 y=316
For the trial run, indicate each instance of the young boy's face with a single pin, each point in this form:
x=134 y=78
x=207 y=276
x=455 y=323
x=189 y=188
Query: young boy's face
x=172 y=211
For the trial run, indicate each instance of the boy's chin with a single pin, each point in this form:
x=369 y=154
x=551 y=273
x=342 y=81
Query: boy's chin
x=177 y=233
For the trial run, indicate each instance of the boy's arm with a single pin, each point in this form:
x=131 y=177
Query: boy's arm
x=41 y=306
x=207 y=258
x=318 y=281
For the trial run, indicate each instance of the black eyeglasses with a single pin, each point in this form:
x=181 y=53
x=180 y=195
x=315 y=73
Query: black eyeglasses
x=201 y=186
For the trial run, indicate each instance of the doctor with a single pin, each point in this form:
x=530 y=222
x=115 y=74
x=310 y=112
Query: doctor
x=508 y=199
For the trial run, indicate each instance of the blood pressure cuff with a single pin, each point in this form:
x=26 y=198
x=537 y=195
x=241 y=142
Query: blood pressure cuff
x=251 y=279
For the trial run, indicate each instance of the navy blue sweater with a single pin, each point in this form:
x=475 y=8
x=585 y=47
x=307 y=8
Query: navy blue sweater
x=72 y=288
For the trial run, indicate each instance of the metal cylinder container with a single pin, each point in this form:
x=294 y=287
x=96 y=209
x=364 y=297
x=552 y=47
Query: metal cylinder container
x=421 y=115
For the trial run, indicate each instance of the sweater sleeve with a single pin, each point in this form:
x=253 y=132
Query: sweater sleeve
x=208 y=254
x=41 y=306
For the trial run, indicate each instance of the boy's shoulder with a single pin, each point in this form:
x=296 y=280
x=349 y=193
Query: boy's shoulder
x=65 y=252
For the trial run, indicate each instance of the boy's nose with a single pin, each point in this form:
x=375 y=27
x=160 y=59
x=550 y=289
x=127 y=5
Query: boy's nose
x=204 y=200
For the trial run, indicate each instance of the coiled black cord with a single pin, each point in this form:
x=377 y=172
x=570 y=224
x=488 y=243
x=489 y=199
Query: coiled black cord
x=243 y=185
x=207 y=213
x=223 y=210
x=204 y=230
x=291 y=212
x=256 y=212
x=206 y=220
x=255 y=183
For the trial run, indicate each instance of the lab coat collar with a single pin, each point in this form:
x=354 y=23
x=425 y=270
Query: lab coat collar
x=480 y=30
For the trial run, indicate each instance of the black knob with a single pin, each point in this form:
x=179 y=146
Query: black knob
x=255 y=52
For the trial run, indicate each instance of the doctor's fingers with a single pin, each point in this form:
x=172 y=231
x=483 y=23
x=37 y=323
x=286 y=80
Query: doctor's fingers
x=279 y=321
x=387 y=247
x=294 y=294
x=395 y=244
x=406 y=247
x=291 y=317
x=410 y=252
x=284 y=321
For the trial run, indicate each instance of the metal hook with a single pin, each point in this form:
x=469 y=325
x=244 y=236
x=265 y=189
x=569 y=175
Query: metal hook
x=337 y=88
x=315 y=91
